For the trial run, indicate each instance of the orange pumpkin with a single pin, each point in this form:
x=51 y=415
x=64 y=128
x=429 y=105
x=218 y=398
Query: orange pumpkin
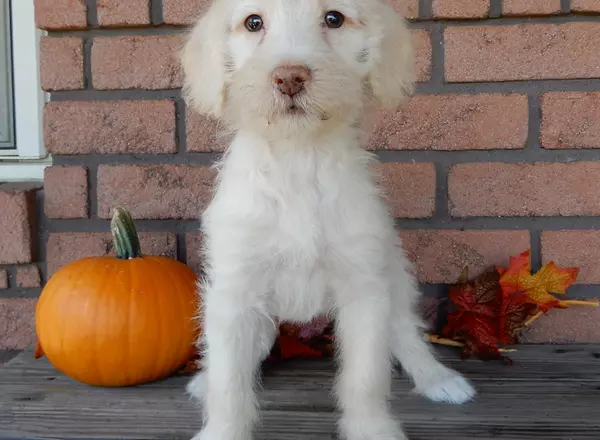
x=119 y=321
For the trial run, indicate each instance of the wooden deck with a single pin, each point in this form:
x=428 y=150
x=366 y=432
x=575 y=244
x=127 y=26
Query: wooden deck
x=550 y=392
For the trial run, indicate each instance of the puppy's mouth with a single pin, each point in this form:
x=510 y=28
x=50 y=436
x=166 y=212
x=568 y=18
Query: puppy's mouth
x=294 y=110
x=292 y=105
x=299 y=106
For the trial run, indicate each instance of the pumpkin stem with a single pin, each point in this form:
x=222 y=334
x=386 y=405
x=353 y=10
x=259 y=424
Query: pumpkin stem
x=125 y=237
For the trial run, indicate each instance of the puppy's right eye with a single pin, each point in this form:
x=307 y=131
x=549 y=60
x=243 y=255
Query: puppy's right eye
x=254 y=23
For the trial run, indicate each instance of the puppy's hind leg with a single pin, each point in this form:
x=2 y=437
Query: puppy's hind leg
x=431 y=378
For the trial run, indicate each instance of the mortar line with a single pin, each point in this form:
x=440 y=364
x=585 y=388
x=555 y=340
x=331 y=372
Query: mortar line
x=530 y=155
x=565 y=6
x=156 y=12
x=93 y=190
x=438 y=290
x=495 y=10
x=92 y=13
x=17 y=293
x=180 y=126
x=11 y=272
x=435 y=86
x=41 y=236
x=181 y=247
x=437 y=57
x=94 y=30
x=87 y=66
x=425 y=12
x=433 y=223
x=441 y=193
x=535 y=246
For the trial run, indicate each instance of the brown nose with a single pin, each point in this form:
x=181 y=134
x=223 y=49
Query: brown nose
x=290 y=80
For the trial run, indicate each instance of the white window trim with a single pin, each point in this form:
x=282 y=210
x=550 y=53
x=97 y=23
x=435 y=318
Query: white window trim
x=29 y=159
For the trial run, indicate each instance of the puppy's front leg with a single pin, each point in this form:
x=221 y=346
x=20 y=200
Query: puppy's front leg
x=365 y=367
x=238 y=336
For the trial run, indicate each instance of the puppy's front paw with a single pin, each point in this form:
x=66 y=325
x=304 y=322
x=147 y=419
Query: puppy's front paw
x=451 y=388
x=382 y=427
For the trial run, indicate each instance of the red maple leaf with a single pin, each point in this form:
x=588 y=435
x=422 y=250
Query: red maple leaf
x=478 y=332
x=474 y=320
x=514 y=311
x=484 y=316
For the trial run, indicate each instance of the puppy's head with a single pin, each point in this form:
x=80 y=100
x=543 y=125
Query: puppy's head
x=296 y=64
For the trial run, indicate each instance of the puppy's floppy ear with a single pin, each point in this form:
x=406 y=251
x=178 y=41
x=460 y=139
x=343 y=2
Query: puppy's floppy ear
x=203 y=61
x=393 y=75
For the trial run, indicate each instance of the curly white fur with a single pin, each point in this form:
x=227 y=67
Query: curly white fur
x=297 y=226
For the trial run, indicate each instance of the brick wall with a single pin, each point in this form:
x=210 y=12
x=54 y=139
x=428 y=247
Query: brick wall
x=20 y=277
x=496 y=153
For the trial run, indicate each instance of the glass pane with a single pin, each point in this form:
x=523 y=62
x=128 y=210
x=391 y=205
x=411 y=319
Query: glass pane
x=7 y=130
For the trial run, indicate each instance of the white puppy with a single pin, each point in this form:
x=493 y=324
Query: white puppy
x=297 y=226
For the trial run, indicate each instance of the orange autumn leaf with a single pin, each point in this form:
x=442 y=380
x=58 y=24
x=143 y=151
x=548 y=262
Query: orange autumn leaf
x=556 y=279
x=549 y=279
x=519 y=269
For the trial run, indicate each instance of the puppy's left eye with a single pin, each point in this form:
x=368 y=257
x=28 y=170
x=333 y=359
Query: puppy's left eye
x=253 y=23
x=334 y=19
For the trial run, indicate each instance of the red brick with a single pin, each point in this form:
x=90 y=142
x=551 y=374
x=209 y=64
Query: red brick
x=409 y=188
x=571 y=120
x=454 y=122
x=576 y=248
x=60 y=14
x=193 y=243
x=460 y=8
x=28 y=277
x=204 y=134
x=112 y=13
x=136 y=62
x=110 y=127
x=61 y=63
x=524 y=189
x=577 y=324
x=155 y=191
x=64 y=248
x=409 y=9
x=585 y=5
x=17 y=216
x=17 y=323
x=3 y=279
x=522 y=52
x=440 y=255
x=183 y=12
x=66 y=192
x=530 y=7
x=422 y=41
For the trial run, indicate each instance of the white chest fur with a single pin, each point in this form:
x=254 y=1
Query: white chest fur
x=297 y=210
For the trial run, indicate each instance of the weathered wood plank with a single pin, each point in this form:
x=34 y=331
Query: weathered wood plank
x=550 y=392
